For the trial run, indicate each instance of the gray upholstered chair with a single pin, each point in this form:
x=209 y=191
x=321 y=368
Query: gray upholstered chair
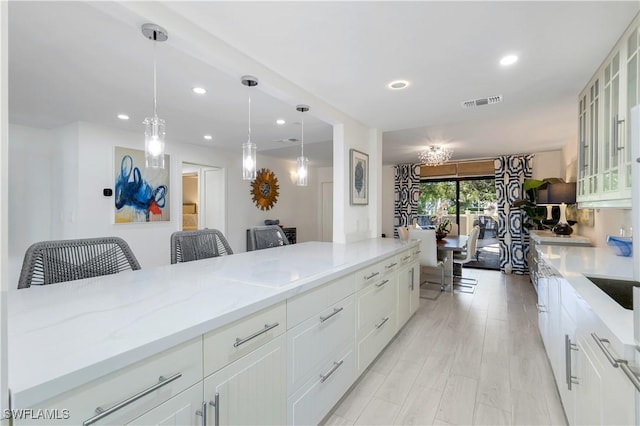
x=50 y=262
x=263 y=237
x=187 y=246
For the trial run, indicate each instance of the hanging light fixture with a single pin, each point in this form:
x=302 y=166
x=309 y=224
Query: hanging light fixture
x=249 y=148
x=435 y=155
x=303 y=162
x=154 y=126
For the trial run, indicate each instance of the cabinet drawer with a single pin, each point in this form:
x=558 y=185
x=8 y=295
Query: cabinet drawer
x=372 y=343
x=313 y=401
x=374 y=302
x=182 y=409
x=408 y=256
x=310 y=303
x=235 y=340
x=313 y=342
x=181 y=367
x=390 y=264
x=367 y=276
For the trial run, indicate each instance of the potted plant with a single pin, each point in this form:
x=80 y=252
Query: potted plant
x=443 y=226
x=535 y=213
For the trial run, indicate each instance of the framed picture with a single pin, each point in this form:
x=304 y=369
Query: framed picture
x=141 y=194
x=358 y=177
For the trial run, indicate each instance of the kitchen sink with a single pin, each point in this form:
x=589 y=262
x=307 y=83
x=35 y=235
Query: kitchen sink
x=619 y=290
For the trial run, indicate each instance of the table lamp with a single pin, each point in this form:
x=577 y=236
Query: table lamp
x=562 y=194
x=543 y=200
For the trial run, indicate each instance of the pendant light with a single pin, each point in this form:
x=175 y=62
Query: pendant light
x=303 y=162
x=154 y=126
x=249 y=148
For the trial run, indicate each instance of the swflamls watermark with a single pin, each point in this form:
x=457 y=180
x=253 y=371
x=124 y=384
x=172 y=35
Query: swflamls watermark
x=36 y=414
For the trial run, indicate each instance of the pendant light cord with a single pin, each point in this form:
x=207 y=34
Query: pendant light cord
x=155 y=85
x=302 y=137
x=249 y=88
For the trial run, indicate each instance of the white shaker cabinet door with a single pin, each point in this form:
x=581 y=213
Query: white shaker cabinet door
x=183 y=409
x=252 y=390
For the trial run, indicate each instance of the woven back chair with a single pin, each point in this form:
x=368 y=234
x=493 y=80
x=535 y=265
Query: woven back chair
x=50 y=262
x=263 y=237
x=187 y=246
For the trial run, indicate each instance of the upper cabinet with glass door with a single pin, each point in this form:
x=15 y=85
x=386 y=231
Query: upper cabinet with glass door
x=604 y=175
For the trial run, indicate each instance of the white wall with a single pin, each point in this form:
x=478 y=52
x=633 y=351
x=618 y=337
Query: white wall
x=4 y=201
x=74 y=207
x=548 y=164
x=388 y=199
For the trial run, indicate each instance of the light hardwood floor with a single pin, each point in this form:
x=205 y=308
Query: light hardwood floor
x=460 y=360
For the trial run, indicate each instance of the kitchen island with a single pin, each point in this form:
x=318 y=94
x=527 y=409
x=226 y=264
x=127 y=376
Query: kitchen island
x=73 y=341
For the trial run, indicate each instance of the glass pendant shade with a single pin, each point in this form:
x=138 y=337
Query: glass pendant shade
x=154 y=142
x=249 y=161
x=302 y=168
x=303 y=171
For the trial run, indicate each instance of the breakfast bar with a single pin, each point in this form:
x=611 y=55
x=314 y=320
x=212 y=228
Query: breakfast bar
x=164 y=339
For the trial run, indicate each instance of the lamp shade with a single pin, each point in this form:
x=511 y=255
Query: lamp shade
x=561 y=193
x=543 y=196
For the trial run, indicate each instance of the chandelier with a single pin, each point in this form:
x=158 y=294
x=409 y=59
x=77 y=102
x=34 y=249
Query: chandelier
x=435 y=155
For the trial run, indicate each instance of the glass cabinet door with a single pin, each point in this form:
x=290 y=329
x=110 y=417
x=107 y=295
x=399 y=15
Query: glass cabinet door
x=582 y=146
x=633 y=47
x=592 y=165
x=610 y=135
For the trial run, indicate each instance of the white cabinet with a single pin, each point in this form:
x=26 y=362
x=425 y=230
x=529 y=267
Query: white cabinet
x=251 y=390
x=408 y=293
x=604 y=160
x=146 y=385
x=181 y=410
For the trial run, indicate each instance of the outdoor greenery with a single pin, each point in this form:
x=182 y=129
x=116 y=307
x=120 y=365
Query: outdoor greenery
x=438 y=198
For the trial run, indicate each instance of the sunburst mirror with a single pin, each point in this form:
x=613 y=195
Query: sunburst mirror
x=264 y=189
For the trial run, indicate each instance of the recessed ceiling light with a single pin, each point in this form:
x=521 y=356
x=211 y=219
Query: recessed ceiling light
x=208 y=137
x=123 y=116
x=199 y=90
x=280 y=122
x=398 y=84
x=509 y=60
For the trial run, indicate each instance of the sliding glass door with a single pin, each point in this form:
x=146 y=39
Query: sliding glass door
x=468 y=202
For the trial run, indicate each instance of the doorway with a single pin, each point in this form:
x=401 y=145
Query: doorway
x=203 y=197
x=326 y=220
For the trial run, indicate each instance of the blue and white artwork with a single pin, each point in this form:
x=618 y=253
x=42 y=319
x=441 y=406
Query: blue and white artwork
x=141 y=194
x=359 y=177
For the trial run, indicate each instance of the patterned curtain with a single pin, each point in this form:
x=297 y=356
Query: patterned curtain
x=510 y=173
x=406 y=198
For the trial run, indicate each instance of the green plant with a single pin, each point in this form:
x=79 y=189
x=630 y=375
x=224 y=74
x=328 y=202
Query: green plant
x=443 y=225
x=535 y=214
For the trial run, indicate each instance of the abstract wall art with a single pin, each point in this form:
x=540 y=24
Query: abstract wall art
x=141 y=194
x=359 y=178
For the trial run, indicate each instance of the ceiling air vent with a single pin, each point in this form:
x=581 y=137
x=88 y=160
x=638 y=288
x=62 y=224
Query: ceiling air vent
x=482 y=101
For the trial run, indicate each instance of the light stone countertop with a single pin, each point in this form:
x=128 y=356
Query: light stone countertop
x=548 y=237
x=67 y=334
x=573 y=263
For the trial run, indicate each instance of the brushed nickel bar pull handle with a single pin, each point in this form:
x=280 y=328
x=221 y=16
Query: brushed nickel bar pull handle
x=407 y=257
x=216 y=404
x=336 y=365
x=412 y=278
x=203 y=413
x=266 y=328
x=391 y=265
x=568 y=347
x=336 y=311
x=600 y=342
x=380 y=284
x=382 y=323
x=371 y=276
x=630 y=373
x=102 y=413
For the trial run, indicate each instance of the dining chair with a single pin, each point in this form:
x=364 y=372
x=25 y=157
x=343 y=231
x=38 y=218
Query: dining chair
x=429 y=251
x=50 y=262
x=454 y=230
x=403 y=233
x=187 y=246
x=263 y=237
x=467 y=256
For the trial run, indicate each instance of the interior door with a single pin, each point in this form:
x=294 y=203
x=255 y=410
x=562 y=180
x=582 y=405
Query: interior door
x=214 y=199
x=327 y=211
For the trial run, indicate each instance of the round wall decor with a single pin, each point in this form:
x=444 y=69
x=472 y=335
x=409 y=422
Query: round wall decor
x=264 y=189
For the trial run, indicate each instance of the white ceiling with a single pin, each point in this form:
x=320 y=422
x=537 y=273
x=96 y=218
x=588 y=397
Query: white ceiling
x=87 y=65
